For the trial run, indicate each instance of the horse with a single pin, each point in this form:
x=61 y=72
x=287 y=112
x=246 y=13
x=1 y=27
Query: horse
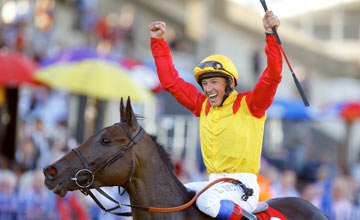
x=125 y=155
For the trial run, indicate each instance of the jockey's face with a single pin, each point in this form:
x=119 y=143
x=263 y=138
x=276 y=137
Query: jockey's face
x=214 y=89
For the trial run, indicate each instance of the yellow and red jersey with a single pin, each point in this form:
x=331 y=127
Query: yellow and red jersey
x=231 y=135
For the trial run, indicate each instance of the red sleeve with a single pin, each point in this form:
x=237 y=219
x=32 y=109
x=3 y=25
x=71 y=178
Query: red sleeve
x=185 y=93
x=260 y=99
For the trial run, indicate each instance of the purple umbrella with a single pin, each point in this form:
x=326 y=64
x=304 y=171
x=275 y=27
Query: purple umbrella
x=74 y=55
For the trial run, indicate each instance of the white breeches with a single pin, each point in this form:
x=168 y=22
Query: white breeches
x=209 y=201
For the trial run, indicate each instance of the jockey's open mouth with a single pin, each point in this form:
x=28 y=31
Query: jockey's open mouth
x=212 y=96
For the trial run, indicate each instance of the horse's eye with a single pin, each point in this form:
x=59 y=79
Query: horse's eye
x=105 y=140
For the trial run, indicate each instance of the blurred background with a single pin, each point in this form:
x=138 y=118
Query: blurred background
x=65 y=64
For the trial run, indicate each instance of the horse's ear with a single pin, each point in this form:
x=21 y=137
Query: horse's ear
x=130 y=116
x=122 y=111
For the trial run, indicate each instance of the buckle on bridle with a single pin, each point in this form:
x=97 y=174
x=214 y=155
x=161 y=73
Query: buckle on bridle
x=89 y=175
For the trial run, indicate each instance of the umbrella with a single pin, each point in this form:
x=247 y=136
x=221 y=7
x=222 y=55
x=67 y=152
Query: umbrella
x=350 y=111
x=291 y=109
x=346 y=110
x=16 y=69
x=73 y=55
x=93 y=77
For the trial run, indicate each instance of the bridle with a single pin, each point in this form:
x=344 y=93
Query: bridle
x=90 y=171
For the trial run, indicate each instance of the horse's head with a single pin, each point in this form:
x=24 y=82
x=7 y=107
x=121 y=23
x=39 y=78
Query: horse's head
x=110 y=148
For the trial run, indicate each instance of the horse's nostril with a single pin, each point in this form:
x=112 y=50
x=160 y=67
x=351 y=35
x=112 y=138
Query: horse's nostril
x=51 y=171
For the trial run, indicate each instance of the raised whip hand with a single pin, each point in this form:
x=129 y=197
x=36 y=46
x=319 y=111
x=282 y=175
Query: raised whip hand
x=297 y=83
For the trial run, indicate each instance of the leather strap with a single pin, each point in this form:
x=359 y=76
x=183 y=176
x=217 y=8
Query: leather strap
x=155 y=209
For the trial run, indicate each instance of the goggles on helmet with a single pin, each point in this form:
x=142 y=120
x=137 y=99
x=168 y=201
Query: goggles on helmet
x=216 y=65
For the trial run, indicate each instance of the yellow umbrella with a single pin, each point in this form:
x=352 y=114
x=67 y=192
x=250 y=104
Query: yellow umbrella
x=93 y=77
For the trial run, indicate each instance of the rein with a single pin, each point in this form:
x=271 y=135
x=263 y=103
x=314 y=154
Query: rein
x=156 y=209
x=90 y=172
x=186 y=205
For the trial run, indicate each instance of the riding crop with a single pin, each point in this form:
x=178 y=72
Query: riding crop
x=297 y=83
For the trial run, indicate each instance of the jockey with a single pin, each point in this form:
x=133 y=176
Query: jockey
x=231 y=123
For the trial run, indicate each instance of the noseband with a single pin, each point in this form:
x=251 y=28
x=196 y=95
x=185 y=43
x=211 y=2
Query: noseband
x=90 y=171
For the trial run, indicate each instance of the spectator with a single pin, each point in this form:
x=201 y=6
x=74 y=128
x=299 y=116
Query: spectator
x=310 y=192
x=286 y=186
x=339 y=205
x=267 y=176
x=39 y=202
x=27 y=155
x=41 y=142
x=266 y=190
x=8 y=197
x=322 y=190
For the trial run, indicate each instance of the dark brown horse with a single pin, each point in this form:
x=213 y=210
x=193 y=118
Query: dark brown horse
x=124 y=155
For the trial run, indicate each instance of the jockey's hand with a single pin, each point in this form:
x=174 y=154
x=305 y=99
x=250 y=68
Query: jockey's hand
x=157 y=29
x=270 y=20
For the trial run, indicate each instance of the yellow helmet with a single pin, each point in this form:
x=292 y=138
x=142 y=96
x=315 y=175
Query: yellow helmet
x=215 y=65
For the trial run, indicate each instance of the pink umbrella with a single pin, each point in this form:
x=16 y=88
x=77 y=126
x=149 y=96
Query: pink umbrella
x=16 y=69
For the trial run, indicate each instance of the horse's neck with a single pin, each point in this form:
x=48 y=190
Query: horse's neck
x=153 y=185
x=153 y=194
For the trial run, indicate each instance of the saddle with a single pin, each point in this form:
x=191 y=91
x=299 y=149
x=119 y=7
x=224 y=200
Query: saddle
x=264 y=212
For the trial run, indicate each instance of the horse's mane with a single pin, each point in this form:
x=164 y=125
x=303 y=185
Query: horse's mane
x=164 y=155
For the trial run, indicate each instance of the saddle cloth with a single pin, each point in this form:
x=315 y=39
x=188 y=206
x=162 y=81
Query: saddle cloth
x=264 y=212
